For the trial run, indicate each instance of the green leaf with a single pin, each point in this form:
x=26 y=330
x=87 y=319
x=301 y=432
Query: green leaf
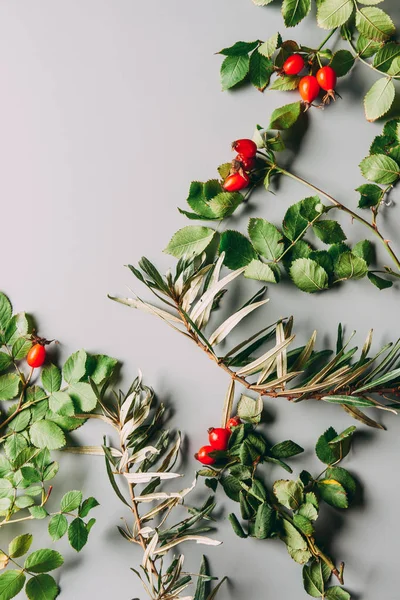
x=190 y=241
x=374 y=24
x=37 y=512
x=261 y=69
x=337 y=593
x=333 y=493
x=5 y=312
x=295 y=542
x=308 y=275
x=9 y=386
x=58 y=526
x=11 y=583
x=236 y=526
x=315 y=576
x=20 y=545
x=304 y=524
x=104 y=368
x=71 y=500
x=14 y=444
x=329 y=232
x=350 y=266
x=379 y=99
x=61 y=403
x=5 y=361
x=75 y=367
x=270 y=45
x=239 y=49
x=44 y=560
x=285 y=116
x=308 y=510
x=379 y=282
x=364 y=249
x=326 y=453
x=233 y=70
x=21 y=347
x=289 y=493
x=367 y=48
x=286 y=83
x=198 y=200
x=385 y=57
x=77 y=534
x=224 y=204
x=267 y=240
x=344 y=478
x=265 y=522
x=334 y=13
x=294 y=11
x=342 y=62
x=260 y=271
x=324 y=259
x=371 y=195
x=83 y=396
x=232 y=487
x=46 y=434
x=250 y=409
x=238 y=250
x=51 y=378
x=286 y=449
x=42 y=587
x=17 y=327
x=87 y=506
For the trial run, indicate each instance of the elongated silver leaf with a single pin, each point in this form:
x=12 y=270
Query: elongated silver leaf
x=226 y=327
x=257 y=364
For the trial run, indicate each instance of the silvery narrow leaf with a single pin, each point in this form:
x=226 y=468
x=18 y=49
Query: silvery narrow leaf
x=123 y=461
x=367 y=345
x=303 y=390
x=230 y=394
x=281 y=360
x=146 y=477
x=149 y=308
x=352 y=376
x=208 y=297
x=272 y=385
x=142 y=454
x=257 y=364
x=306 y=353
x=199 y=539
x=146 y=531
x=169 y=460
x=151 y=547
x=226 y=327
x=269 y=368
x=92 y=450
x=124 y=410
x=170 y=503
x=195 y=284
x=164 y=496
x=205 y=315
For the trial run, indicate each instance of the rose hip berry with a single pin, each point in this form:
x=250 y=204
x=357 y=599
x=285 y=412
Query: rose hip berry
x=293 y=65
x=203 y=455
x=36 y=356
x=236 y=182
x=326 y=78
x=233 y=422
x=219 y=438
x=309 y=89
x=246 y=148
x=247 y=163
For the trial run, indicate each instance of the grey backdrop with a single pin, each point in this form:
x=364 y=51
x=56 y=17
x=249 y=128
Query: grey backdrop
x=108 y=110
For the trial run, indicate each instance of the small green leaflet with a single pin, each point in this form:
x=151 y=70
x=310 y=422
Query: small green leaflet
x=379 y=99
x=308 y=275
x=189 y=241
x=238 y=250
x=342 y=62
x=374 y=24
x=294 y=11
x=233 y=70
x=334 y=13
x=285 y=116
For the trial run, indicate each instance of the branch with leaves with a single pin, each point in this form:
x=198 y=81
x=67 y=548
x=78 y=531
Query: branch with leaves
x=368 y=30
x=289 y=509
x=296 y=244
x=144 y=454
x=38 y=406
x=265 y=362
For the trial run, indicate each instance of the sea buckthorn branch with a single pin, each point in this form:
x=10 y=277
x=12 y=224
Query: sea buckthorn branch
x=265 y=362
x=137 y=466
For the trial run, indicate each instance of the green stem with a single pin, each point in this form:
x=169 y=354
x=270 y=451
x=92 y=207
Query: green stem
x=328 y=37
x=360 y=58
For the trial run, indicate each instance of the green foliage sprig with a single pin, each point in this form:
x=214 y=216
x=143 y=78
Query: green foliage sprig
x=368 y=30
x=312 y=268
x=265 y=362
x=289 y=509
x=144 y=455
x=38 y=407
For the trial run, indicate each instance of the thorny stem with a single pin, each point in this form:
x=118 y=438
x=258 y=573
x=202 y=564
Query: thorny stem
x=371 y=226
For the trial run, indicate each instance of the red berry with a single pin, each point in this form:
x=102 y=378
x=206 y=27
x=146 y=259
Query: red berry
x=236 y=182
x=36 y=356
x=203 y=455
x=293 y=65
x=248 y=162
x=309 y=88
x=326 y=78
x=233 y=422
x=246 y=148
x=219 y=437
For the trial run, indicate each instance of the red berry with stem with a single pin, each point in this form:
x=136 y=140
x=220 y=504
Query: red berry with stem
x=233 y=422
x=309 y=88
x=326 y=78
x=36 y=356
x=293 y=65
x=219 y=437
x=246 y=148
x=248 y=163
x=203 y=455
x=236 y=182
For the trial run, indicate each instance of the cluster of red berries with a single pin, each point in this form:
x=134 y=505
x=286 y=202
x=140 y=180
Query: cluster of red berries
x=310 y=85
x=218 y=438
x=242 y=164
x=37 y=353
